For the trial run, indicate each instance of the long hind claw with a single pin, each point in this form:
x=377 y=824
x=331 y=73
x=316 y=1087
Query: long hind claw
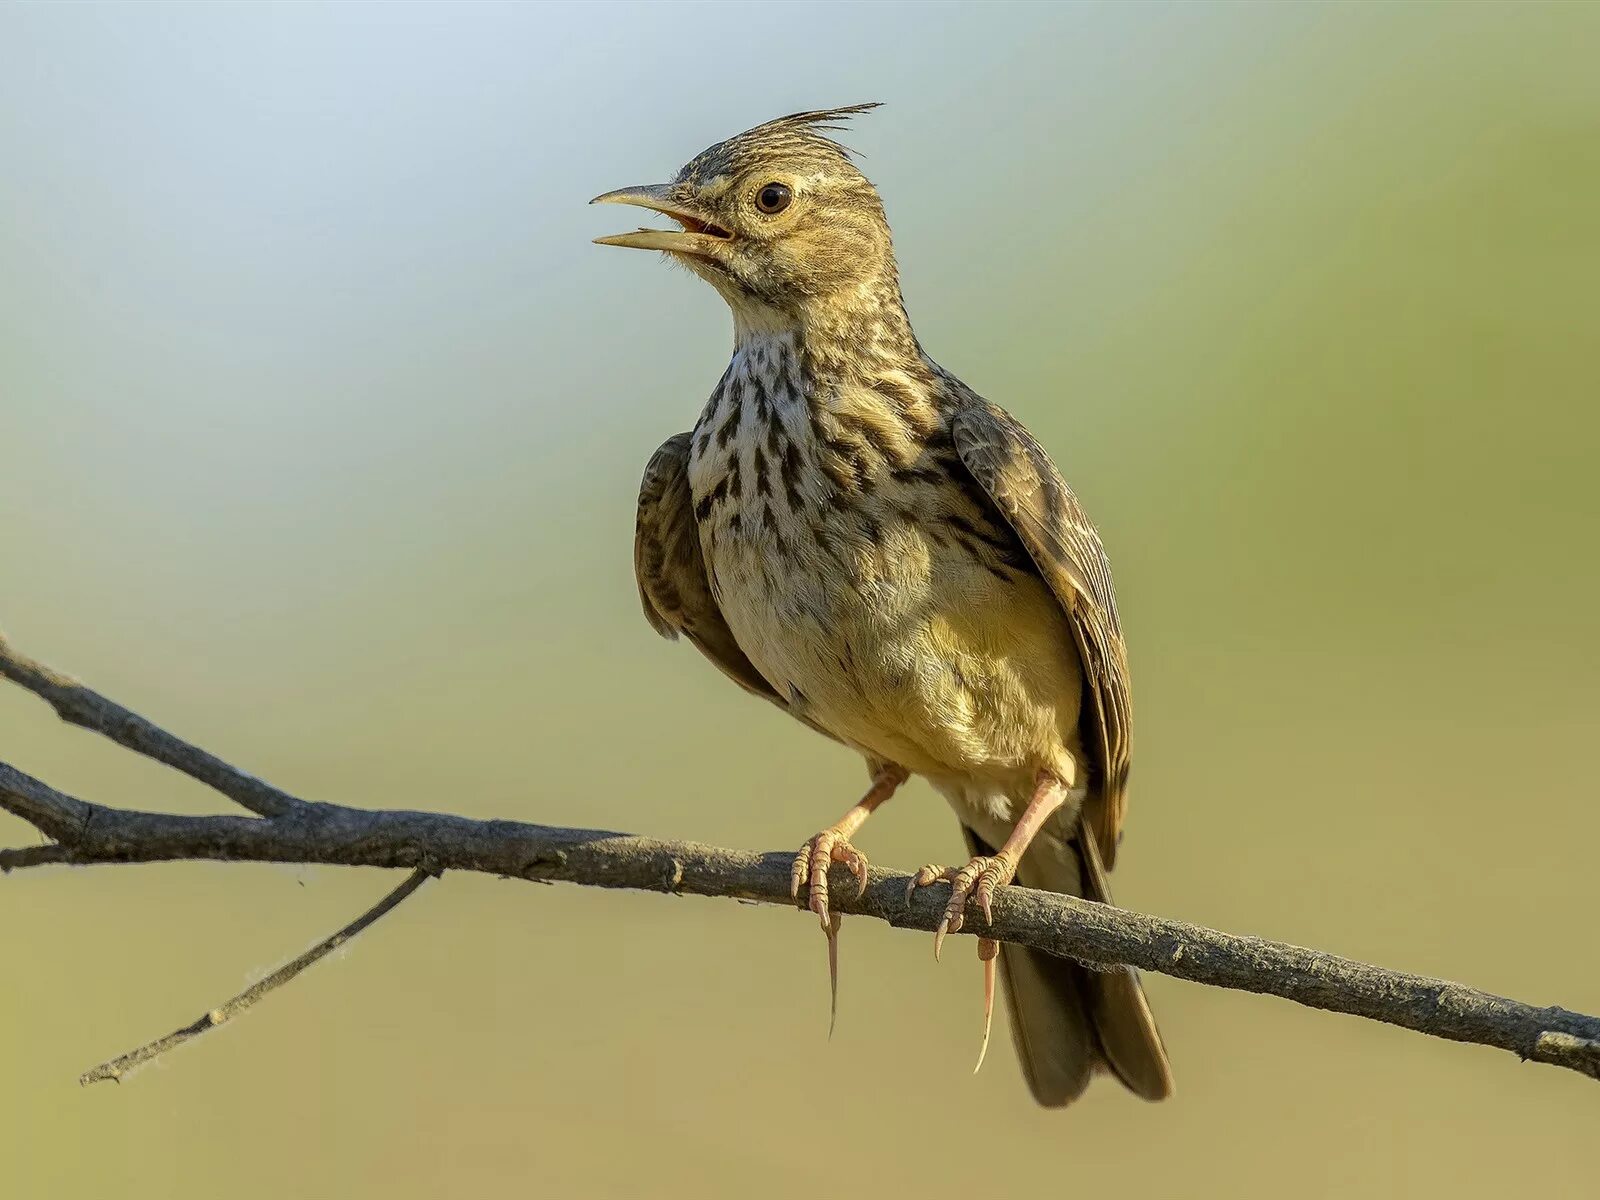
x=811 y=867
x=975 y=875
x=832 y=932
x=988 y=952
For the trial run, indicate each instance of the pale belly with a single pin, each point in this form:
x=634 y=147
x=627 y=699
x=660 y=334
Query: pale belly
x=912 y=651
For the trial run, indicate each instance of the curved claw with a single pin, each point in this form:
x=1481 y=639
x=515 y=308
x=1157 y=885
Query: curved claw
x=978 y=878
x=988 y=950
x=951 y=921
x=975 y=881
x=997 y=873
x=810 y=867
x=954 y=918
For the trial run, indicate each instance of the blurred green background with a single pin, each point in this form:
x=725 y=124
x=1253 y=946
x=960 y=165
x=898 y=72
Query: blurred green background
x=320 y=427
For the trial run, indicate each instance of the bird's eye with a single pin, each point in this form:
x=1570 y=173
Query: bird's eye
x=773 y=198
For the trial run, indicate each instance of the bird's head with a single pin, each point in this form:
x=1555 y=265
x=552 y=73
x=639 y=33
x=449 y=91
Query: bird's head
x=777 y=219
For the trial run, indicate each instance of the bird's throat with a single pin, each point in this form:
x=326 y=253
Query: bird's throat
x=837 y=341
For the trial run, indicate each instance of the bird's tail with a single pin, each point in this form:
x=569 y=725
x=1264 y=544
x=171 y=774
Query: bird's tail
x=1069 y=1021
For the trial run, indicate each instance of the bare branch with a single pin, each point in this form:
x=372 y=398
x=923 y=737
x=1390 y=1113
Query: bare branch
x=79 y=705
x=1095 y=934
x=117 y=1067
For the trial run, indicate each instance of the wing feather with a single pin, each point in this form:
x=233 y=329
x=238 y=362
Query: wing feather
x=673 y=587
x=1024 y=486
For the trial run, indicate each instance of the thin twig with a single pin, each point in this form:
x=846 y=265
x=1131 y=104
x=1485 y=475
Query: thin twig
x=1096 y=934
x=117 y=1067
x=33 y=856
x=80 y=705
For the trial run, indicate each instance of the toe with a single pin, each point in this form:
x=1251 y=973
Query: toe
x=997 y=872
x=810 y=868
x=955 y=913
x=929 y=874
x=817 y=900
x=856 y=863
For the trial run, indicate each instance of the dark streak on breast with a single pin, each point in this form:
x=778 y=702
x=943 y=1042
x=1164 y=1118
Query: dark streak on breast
x=790 y=473
x=711 y=499
x=758 y=465
x=730 y=424
x=874 y=435
x=758 y=390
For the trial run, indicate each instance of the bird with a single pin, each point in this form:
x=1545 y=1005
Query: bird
x=855 y=536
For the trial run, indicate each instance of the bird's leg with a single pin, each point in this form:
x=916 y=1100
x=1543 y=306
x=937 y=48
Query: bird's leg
x=833 y=845
x=979 y=878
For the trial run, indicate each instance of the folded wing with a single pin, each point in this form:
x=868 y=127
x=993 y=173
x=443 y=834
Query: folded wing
x=1024 y=486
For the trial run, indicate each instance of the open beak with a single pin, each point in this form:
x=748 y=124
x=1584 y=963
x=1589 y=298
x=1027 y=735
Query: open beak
x=699 y=235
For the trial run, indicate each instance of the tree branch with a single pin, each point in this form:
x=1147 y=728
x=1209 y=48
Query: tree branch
x=79 y=705
x=1095 y=934
x=117 y=1067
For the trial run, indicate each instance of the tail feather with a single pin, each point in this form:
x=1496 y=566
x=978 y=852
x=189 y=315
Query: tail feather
x=1117 y=1004
x=1067 y=1021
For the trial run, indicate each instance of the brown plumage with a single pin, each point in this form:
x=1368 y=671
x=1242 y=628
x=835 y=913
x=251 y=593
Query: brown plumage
x=852 y=534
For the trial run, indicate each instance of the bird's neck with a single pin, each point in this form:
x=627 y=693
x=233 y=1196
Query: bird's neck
x=843 y=340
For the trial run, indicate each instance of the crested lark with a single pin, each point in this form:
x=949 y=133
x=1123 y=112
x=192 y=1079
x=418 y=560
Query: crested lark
x=853 y=534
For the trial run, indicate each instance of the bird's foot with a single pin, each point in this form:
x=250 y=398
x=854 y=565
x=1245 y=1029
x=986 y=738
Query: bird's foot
x=977 y=879
x=811 y=869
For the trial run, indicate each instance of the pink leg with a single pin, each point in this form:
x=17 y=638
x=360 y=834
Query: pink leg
x=980 y=877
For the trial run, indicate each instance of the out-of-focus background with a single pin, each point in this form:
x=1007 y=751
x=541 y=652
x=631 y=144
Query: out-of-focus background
x=322 y=422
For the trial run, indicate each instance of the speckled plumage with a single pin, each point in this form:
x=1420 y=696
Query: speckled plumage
x=853 y=534
x=878 y=600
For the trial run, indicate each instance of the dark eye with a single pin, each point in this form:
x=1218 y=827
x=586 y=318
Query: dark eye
x=773 y=198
